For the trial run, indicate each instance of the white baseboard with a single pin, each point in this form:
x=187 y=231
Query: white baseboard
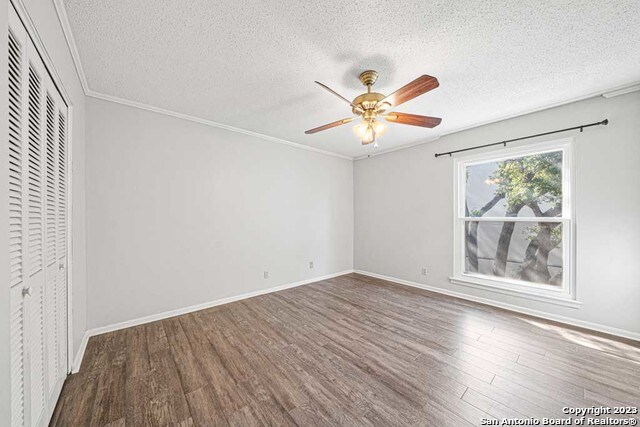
x=184 y=310
x=77 y=361
x=544 y=315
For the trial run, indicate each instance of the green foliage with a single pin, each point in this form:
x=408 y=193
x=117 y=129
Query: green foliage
x=530 y=180
x=533 y=181
x=531 y=233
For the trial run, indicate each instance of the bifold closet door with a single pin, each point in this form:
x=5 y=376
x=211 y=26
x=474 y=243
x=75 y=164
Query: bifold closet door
x=38 y=230
x=55 y=225
x=61 y=234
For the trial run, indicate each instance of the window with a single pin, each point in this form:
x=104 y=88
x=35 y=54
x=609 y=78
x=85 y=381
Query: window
x=514 y=221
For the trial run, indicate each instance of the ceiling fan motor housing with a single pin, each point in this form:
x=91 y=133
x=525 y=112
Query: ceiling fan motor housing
x=367 y=101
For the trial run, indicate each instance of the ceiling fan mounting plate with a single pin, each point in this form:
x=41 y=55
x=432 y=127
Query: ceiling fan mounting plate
x=369 y=77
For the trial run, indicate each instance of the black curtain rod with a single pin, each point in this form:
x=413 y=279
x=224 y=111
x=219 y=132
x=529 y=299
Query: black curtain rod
x=581 y=127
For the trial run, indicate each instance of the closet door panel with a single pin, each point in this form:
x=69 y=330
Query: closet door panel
x=35 y=235
x=51 y=294
x=16 y=167
x=18 y=278
x=18 y=368
x=61 y=235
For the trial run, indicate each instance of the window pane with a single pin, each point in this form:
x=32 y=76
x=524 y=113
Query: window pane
x=528 y=251
x=525 y=186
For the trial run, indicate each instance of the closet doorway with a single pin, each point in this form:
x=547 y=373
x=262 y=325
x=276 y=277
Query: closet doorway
x=39 y=173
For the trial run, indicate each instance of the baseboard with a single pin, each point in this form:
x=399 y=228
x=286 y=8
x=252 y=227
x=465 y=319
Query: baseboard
x=184 y=310
x=541 y=314
x=77 y=361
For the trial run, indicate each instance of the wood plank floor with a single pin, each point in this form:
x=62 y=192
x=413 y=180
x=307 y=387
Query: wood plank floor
x=352 y=350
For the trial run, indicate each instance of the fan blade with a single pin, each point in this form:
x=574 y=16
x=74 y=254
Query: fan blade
x=419 y=86
x=336 y=94
x=329 y=126
x=413 y=119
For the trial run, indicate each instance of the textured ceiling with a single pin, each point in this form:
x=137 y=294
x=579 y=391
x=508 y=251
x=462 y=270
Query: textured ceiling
x=251 y=64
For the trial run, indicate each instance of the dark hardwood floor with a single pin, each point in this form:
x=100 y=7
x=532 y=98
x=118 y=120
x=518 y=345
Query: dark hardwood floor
x=347 y=351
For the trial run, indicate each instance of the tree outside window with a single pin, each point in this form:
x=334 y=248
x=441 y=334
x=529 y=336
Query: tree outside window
x=512 y=218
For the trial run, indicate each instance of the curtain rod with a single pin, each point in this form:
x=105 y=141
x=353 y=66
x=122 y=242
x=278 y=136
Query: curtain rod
x=581 y=127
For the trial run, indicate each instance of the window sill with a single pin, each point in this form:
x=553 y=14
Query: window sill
x=506 y=289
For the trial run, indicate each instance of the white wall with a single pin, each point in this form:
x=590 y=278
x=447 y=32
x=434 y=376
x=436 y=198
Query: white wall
x=181 y=213
x=404 y=209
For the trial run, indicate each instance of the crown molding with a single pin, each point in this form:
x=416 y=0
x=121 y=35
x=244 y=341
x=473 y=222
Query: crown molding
x=66 y=28
x=609 y=93
x=75 y=55
x=401 y=147
x=622 y=90
x=71 y=43
x=211 y=123
x=32 y=31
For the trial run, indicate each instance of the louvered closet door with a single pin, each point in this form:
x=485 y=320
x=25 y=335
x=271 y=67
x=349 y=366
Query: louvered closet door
x=38 y=230
x=35 y=218
x=61 y=238
x=16 y=51
x=55 y=283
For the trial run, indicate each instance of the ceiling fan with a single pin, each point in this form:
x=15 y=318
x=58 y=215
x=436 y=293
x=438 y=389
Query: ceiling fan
x=372 y=105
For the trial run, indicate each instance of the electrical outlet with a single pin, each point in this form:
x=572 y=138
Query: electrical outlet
x=266 y=274
x=310 y=264
x=424 y=271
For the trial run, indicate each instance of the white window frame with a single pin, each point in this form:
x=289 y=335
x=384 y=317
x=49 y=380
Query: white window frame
x=564 y=295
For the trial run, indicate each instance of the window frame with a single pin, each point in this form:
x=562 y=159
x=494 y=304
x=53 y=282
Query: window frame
x=562 y=295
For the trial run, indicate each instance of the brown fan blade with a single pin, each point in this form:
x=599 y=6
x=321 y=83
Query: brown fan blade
x=329 y=126
x=336 y=93
x=413 y=119
x=422 y=84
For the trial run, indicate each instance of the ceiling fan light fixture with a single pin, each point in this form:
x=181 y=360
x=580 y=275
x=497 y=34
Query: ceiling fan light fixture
x=370 y=106
x=369 y=136
x=379 y=128
x=360 y=129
